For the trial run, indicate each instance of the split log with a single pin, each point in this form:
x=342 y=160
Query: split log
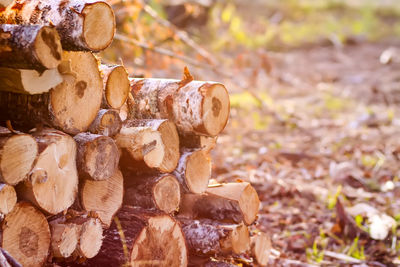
x=64 y=238
x=29 y=47
x=207 y=238
x=71 y=106
x=204 y=143
x=160 y=192
x=26 y=235
x=116 y=85
x=97 y=157
x=28 y=81
x=261 y=248
x=125 y=110
x=193 y=171
x=104 y=197
x=17 y=155
x=8 y=199
x=107 y=123
x=231 y=202
x=156 y=142
x=82 y=25
x=138 y=238
x=195 y=107
x=53 y=181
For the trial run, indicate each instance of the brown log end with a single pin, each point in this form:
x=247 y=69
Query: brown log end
x=117 y=87
x=64 y=238
x=261 y=248
x=167 y=194
x=18 y=152
x=107 y=123
x=90 y=238
x=98 y=25
x=8 y=198
x=97 y=156
x=48 y=47
x=104 y=197
x=170 y=139
x=26 y=235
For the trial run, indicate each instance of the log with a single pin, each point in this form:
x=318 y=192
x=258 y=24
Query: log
x=116 y=85
x=10 y=259
x=104 y=197
x=230 y=202
x=193 y=171
x=195 y=107
x=8 y=199
x=154 y=142
x=64 y=238
x=53 y=181
x=82 y=25
x=71 y=106
x=160 y=192
x=142 y=238
x=26 y=235
x=4 y=3
x=29 y=82
x=17 y=155
x=97 y=157
x=107 y=123
x=204 y=143
x=261 y=248
x=207 y=238
x=29 y=47
x=126 y=108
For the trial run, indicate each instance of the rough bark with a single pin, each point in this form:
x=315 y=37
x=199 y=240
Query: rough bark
x=29 y=82
x=103 y=197
x=64 y=238
x=204 y=143
x=107 y=123
x=29 y=47
x=193 y=171
x=71 y=106
x=8 y=199
x=116 y=85
x=26 y=235
x=82 y=25
x=231 y=202
x=53 y=181
x=207 y=238
x=261 y=248
x=195 y=107
x=18 y=152
x=138 y=237
x=97 y=157
x=160 y=192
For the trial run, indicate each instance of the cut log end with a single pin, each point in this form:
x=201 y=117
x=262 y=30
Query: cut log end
x=170 y=139
x=107 y=122
x=64 y=239
x=261 y=248
x=26 y=235
x=167 y=194
x=91 y=238
x=98 y=25
x=117 y=87
x=215 y=109
x=240 y=239
x=48 y=47
x=19 y=152
x=198 y=172
x=8 y=198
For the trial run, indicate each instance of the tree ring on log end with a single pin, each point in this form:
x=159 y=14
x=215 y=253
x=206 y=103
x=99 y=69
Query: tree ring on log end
x=167 y=194
x=198 y=172
x=215 y=108
x=117 y=87
x=250 y=203
x=48 y=43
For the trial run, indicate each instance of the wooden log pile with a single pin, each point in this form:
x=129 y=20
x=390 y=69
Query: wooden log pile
x=99 y=169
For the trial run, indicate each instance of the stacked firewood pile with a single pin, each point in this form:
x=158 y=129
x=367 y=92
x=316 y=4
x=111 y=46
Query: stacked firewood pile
x=100 y=169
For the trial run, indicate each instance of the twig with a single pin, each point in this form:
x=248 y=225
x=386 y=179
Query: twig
x=341 y=256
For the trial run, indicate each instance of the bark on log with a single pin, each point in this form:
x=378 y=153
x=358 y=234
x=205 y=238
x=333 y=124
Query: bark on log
x=204 y=143
x=195 y=107
x=71 y=106
x=26 y=235
x=207 y=238
x=231 y=202
x=64 y=238
x=107 y=123
x=10 y=259
x=142 y=238
x=53 y=181
x=116 y=86
x=29 y=47
x=160 y=192
x=97 y=157
x=261 y=248
x=8 y=199
x=29 y=82
x=156 y=142
x=103 y=197
x=17 y=155
x=82 y=25
x=193 y=171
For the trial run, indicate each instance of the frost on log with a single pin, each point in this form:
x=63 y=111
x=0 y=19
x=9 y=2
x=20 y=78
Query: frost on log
x=82 y=25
